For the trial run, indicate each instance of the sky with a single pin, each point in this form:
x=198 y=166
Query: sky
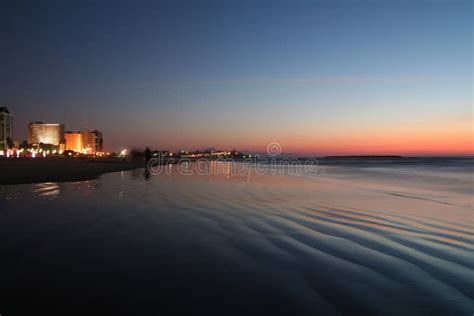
x=318 y=77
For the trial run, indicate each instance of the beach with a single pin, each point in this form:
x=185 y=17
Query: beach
x=371 y=240
x=24 y=170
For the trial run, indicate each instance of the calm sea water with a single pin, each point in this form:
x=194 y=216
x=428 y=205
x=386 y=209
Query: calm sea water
x=365 y=237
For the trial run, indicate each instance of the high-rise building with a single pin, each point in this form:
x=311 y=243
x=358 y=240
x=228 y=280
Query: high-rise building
x=97 y=140
x=39 y=132
x=86 y=141
x=73 y=141
x=6 y=127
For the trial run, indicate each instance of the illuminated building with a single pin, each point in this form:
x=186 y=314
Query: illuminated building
x=87 y=142
x=6 y=127
x=39 y=132
x=73 y=141
x=97 y=140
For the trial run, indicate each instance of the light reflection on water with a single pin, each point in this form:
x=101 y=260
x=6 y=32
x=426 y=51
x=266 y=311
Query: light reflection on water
x=346 y=241
x=49 y=190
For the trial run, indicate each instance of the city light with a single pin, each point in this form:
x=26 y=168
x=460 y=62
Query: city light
x=123 y=153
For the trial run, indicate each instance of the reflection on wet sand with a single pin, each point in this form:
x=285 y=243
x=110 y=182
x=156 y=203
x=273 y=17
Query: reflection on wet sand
x=48 y=189
x=258 y=244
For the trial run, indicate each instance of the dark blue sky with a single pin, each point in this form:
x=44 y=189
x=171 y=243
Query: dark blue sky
x=190 y=74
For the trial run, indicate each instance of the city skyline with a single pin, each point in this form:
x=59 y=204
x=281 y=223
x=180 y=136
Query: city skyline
x=320 y=78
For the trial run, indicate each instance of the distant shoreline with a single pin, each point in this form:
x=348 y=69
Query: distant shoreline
x=367 y=156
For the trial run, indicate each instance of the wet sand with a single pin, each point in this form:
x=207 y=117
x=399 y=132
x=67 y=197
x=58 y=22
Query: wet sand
x=348 y=241
x=17 y=171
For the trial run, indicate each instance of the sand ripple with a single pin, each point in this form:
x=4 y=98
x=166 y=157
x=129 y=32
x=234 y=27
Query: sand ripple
x=304 y=244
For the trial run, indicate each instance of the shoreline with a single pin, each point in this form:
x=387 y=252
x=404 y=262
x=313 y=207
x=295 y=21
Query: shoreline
x=25 y=171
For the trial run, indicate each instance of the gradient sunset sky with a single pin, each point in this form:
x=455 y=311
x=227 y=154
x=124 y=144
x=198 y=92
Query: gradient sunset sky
x=319 y=77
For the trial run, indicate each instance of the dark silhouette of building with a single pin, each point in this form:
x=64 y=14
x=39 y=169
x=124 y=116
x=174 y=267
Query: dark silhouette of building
x=6 y=127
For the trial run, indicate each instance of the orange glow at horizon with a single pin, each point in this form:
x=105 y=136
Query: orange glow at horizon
x=403 y=142
x=419 y=140
x=450 y=135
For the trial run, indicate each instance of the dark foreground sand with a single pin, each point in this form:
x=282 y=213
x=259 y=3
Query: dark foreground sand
x=347 y=241
x=17 y=171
